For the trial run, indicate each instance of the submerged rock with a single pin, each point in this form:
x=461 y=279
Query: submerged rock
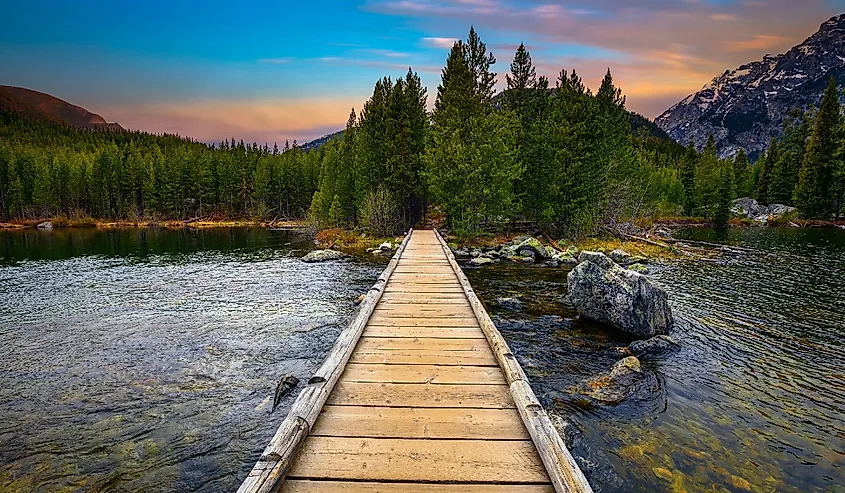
x=479 y=261
x=510 y=304
x=655 y=347
x=606 y=292
x=623 y=380
x=323 y=256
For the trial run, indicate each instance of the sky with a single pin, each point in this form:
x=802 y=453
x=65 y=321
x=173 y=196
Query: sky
x=290 y=69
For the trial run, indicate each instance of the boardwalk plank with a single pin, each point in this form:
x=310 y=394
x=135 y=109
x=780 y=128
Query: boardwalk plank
x=389 y=422
x=304 y=486
x=421 y=395
x=434 y=374
x=419 y=460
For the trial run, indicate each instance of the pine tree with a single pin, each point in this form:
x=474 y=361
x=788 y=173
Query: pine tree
x=742 y=174
x=522 y=82
x=764 y=179
x=726 y=194
x=479 y=63
x=784 y=176
x=690 y=162
x=813 y=195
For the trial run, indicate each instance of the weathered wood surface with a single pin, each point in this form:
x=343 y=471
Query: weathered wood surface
x=421 y=395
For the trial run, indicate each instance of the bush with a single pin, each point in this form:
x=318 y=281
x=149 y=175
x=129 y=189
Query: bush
x=380 y=213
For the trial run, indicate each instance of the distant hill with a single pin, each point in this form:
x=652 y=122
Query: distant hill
x=318 y=143
x=44 y=107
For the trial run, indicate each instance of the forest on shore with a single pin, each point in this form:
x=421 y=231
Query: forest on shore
x=552 y=153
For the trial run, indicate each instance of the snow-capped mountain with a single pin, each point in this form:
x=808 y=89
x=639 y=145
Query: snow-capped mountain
x=745 y=108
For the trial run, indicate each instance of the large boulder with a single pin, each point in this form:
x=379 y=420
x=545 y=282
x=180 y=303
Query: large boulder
x=46 y=226
x=751 y=209
x=323 y=256
x=602 y=290
x=532 y=247
x=480 y=261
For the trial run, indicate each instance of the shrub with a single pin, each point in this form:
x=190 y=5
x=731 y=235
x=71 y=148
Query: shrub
x=380 y=213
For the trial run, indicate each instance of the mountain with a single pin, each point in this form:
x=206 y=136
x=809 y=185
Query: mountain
x=318 y=143
x=745 y=108
x=40 y=106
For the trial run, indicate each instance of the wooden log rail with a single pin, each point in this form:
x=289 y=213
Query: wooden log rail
x=419 y=393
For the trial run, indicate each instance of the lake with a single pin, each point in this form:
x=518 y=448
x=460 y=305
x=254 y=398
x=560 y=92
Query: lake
x=146 y=360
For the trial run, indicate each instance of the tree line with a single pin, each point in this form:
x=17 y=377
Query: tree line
x=548 y=152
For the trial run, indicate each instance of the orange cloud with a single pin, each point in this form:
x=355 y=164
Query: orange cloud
x=759 y=42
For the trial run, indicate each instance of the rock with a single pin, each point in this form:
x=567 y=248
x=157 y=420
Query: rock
x=572 y=251
x=603 y=291
x=552 y=263
x=630 y=229
x=655 y=347
x=662 y=473
x=461 y=253
x=386 y=247
x=480 y=261
x=475 y=253
x=360 y=299
x=624 y=379
x=751 y=209
x=528 y=260
x=510 y=304
x=533 y=247
x=46 y=225
x=323 y=256
x=642 y=269
x=620 y=256
x=637 y=259
x=661 y=233
x=283 y=388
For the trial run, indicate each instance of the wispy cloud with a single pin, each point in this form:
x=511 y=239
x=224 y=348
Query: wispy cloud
x=757 y=43
x=444 y=43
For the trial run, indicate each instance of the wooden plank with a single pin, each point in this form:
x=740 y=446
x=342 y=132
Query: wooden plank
x=433 y=374
x=425 y=358
x=420 y=395
x=424 y=321
x=419 y=423
x=427 y=311
x=386 y=459
x=306 y=486
x=426 y=332
x=370 y=344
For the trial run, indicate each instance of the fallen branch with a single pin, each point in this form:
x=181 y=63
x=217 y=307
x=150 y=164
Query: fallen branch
x=200 y=218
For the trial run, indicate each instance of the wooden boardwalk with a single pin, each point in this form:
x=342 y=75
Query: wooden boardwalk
x=425 y=398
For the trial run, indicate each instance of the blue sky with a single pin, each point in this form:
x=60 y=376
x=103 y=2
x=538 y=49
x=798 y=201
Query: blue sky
x=268 y=71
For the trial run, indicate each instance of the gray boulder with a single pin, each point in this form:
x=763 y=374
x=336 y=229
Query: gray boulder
x=620 y=256
x=532 y=247
x=46 y=225
x=323 y=256
x=751 y=209
x=602 y=290
x=655 y=347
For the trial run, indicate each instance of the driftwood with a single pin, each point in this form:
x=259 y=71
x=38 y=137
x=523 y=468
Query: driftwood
x=197 y=219
x=272 y=467
x=563 y=471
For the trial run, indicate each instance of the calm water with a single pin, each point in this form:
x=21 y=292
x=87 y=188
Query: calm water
x=755 y=398
x=145 y=360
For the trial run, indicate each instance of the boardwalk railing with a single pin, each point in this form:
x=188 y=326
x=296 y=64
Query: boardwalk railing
x=432 y=400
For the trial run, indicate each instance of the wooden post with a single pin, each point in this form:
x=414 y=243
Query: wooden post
x=564 y=472
x=269 y=472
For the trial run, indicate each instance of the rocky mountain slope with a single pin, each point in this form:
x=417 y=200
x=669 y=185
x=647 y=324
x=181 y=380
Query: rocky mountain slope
x=745 y=108
x=40 y=106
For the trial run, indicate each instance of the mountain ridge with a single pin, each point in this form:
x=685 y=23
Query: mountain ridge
x=37 y=105
x=745 y=108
